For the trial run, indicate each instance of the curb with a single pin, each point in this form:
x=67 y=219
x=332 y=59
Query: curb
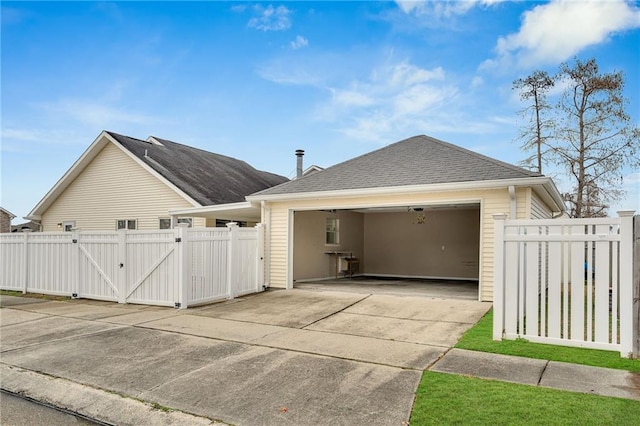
x=92 y=403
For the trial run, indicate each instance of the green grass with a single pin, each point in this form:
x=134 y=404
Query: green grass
x=451 y=399
x=33 y=295
x=479 y=338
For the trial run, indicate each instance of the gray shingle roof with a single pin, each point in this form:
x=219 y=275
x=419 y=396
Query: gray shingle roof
x=419 y=160
x=206 y=177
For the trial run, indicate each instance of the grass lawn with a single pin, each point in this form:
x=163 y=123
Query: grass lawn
x=479 y=338
x=33 y=295
x=451 y=399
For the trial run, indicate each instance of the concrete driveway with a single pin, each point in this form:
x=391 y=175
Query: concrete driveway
x=280 y=357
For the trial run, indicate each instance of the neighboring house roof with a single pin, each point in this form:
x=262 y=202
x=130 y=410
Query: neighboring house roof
x=206 y=177
x=420 y=160
x=312 y=169
x=200 y=177
x=7 y=212
x=31 y=226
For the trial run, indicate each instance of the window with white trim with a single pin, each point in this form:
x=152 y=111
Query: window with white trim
x=332 y=231
x=165 y=223
x=69 y=225
x=187 y=220
x=130 y=224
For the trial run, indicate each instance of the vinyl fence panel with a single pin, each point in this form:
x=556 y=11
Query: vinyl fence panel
x=178 y=267
x=565 y=281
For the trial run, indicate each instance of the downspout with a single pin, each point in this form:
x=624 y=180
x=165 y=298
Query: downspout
x=513 y=202
x=266 y=220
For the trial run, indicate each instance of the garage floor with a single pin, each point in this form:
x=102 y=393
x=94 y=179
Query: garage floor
x=445 y=289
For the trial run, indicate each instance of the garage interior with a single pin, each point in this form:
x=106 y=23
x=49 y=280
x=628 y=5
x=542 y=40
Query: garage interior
x=423 y=249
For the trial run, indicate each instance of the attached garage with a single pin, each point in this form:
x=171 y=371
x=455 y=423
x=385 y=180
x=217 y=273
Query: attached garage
x=441 y=242
x=418 y=208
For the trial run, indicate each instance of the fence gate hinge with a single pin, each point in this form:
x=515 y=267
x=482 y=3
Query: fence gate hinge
x=74 y=241
x=177 y=305
x=178 y=240
x=122 y=265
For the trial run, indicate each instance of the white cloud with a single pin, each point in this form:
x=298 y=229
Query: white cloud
x=397 y=97
x=270 y=18
x=553 y=32
x=96 y=115
x=442 y=8
x=476 y=82
x=299 y=43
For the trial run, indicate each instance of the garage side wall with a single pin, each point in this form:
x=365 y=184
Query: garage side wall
x=310 y=258
x=491 y=202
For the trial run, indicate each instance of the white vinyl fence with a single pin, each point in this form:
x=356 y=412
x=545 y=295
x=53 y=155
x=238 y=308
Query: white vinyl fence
x=176 y=267
x=565 y=281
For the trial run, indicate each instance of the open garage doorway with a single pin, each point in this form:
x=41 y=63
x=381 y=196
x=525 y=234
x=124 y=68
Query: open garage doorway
x=432 y=250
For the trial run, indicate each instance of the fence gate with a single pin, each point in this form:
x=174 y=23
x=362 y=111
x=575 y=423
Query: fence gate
x=97 y=265
x=565 y=281
x=176 y=267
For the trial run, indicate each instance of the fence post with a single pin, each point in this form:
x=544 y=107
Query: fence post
x=636 y=286
x=232 y=261
x=122 y=271
x=75 y=241
x=498 y=275
x=25 y=259
x=260 y=257
x=184 y=265
x=626 y=282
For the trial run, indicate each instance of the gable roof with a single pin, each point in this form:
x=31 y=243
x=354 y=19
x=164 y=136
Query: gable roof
x=206 y=177
x=7 y=212
x=200 y=177
x=419 y=160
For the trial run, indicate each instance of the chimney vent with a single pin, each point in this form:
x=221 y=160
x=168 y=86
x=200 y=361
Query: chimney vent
x=299 y=154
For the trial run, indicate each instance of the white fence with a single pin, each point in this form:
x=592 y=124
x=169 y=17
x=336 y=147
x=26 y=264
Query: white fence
x=565 y=281
x=177 y=267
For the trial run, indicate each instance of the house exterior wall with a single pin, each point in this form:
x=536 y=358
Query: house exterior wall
x=446 y=245
x=539 y=210
x=5 y=222
x=114 y=186
x=310 y=258
x=491 y=201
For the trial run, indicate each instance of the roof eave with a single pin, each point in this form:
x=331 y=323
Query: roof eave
x=406 y=189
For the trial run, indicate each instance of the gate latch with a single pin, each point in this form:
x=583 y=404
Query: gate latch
x=122 y=265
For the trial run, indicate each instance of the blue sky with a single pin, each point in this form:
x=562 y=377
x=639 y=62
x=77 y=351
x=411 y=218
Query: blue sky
x=258 y=80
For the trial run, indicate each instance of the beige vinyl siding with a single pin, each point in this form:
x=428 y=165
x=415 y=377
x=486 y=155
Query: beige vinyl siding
x=278 y=253
x=492 y=201
x=539 y=210
x=522 y=197
x=114 y=186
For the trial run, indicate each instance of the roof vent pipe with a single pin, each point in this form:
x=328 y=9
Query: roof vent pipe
x=299 y=154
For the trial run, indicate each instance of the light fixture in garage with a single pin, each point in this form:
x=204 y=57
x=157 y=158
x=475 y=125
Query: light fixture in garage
x=420 y=215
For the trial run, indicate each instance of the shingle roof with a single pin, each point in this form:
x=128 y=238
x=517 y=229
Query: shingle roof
x=206 y=177
x=419 y=160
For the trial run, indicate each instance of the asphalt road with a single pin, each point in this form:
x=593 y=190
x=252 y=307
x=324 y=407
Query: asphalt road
x=15 y=411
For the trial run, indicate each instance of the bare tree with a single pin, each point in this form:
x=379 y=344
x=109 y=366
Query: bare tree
x=595 y=139
x=534 y=88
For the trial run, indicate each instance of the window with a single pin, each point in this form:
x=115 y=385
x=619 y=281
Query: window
x=165 y=223
x=127 y=224
x=332 y=231
x=187 y=220
x=221 y=223
x=68 y=225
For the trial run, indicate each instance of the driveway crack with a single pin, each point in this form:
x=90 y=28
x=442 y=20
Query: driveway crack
x=336 y=312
